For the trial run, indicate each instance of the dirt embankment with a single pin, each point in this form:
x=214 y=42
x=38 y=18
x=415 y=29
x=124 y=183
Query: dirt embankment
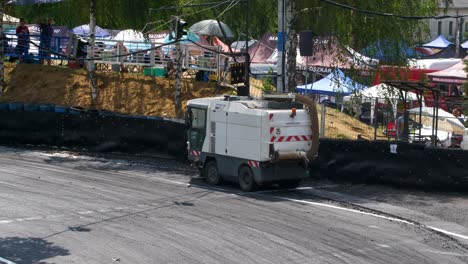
x=134 y=94
x=125 y=93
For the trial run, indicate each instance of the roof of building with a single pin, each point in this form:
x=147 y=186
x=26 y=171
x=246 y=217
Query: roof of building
x=459 y=4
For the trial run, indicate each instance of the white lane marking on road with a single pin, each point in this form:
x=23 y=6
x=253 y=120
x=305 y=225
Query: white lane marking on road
x=371 y=214
x=85 y=212
x=6 y=261
x=344 y=209
x=383 y=246
x=447 y=232
x=445 y=253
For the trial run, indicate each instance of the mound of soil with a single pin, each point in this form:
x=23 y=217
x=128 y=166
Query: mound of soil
x=135 y=94
x=125 y=93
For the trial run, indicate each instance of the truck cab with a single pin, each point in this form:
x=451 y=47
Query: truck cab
x=252 y=142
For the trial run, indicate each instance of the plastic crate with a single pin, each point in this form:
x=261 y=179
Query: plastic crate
x=159 y=72
x=148 y=71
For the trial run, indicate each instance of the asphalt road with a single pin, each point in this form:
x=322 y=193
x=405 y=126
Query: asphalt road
x=60 y=208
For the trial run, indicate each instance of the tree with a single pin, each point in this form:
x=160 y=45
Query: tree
x=356 y=29
x=123 y=14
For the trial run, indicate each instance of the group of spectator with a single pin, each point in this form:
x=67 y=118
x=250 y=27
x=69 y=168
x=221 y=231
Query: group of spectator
x=46 y=34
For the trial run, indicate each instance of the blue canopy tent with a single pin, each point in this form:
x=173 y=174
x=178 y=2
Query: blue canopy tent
x=389 y=51
x=85 y=31
x=186 y=39
x=440 y=43
x=334 y=83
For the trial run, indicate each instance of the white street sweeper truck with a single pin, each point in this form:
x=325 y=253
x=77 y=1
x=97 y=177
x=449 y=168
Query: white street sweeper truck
x=253 y=142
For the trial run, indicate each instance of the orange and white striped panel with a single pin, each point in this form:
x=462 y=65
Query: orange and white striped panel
x=291 y=138
x=254 y=164
x=195 y=153
x=296 y=138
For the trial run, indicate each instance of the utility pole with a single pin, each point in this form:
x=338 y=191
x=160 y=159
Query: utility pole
x=2 y=71
x=178 y=28
x=92 y=35
x=280 y=47
x=457 y=36
x=247 y=55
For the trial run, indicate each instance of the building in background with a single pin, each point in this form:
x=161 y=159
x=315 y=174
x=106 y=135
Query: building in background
x=448 y=27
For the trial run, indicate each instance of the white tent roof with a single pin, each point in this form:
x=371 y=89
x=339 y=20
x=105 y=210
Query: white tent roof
x=386 y=91
x=433 y=64
x=465 y=45
x=428 y=111
x=447 y=121
x=10 y=19
x=440 y=42
x=359 y=58
x=130 y=35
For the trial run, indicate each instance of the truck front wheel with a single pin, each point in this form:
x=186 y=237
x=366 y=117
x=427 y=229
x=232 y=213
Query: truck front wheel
x=211 y=174
x=246 y=179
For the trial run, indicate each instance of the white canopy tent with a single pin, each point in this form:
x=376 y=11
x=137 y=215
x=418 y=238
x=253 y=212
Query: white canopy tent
x=465 y=45
x=440 y=42
x=130 y=35
x=7 y=19
x=384 y=92
x=446 y=121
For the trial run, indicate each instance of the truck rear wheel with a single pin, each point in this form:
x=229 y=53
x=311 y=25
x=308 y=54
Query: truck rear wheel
x=246 y=179
x=211 y=174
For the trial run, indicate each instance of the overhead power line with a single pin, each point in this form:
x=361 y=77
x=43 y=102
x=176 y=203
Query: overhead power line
x=370 y=12
x=211 y=4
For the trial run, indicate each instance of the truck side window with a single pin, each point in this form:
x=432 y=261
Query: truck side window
x=198 y=118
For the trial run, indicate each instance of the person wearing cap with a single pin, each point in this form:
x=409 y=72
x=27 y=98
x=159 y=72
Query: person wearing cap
x=45 y=45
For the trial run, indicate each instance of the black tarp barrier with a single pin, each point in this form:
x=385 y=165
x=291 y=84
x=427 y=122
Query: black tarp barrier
x=94 y=131
x=410 y=165
x=357 y=161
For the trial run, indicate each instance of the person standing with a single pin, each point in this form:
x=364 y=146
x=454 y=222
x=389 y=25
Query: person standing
x=45 y=46
x=22 y=47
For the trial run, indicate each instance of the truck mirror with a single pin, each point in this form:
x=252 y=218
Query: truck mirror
x=188 y=118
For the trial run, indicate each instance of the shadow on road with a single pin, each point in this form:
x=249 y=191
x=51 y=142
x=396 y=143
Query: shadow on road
x=29 y=250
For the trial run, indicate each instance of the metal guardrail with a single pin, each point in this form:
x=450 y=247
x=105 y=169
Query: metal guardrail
x=58 y=46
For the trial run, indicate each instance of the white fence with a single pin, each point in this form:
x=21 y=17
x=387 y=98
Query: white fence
x=145 y=54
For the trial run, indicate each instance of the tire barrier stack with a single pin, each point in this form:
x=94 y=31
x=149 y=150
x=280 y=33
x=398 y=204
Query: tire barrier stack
x=357 y=161
x=394 y=163
x=93 y=130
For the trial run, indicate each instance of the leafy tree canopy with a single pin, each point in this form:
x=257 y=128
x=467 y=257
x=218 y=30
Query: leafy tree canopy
x=316 y=15
x=135 y=14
